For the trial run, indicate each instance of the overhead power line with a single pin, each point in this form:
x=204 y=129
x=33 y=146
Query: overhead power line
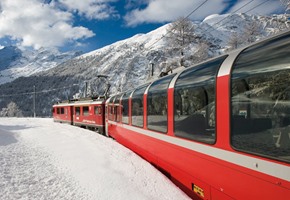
x=163 y=36
x=226 y=17
x=212 y=27
x=37 y=92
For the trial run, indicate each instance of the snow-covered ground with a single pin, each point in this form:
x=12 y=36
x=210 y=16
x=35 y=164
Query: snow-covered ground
x=40 y=159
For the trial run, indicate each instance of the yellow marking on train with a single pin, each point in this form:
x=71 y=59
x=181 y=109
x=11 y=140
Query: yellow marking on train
x=199 y=191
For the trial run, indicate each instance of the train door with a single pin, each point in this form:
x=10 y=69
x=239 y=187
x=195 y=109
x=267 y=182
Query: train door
x=107 y=116
x=71 y=114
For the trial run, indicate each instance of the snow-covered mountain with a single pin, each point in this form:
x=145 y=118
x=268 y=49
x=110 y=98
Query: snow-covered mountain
x=126 y=62
x=15 y=62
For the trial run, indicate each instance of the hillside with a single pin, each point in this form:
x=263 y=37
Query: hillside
x=126 y=62
x=15 y=63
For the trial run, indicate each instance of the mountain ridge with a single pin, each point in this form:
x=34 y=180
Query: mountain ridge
x=15 y=63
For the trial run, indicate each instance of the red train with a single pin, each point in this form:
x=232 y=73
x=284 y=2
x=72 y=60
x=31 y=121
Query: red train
x=219 y=129
x=86 y=113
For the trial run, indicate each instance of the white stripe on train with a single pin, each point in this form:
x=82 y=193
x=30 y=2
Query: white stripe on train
x=259 y=165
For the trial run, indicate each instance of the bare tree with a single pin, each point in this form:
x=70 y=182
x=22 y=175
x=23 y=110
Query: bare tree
x=248 y=35
x=201 y=54
x=181 y=33
x=235 y=41
x=251 y=31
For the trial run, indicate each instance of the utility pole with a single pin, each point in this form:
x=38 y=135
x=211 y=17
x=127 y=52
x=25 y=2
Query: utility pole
x=34 y=95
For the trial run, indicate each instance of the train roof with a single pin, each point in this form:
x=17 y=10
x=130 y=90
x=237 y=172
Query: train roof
x=80 y=101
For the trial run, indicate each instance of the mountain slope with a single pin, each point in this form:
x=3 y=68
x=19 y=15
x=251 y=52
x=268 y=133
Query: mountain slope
x=15 y=63
x=126 y=63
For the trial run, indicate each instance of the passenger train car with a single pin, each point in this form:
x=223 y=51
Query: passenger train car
x=218 y=130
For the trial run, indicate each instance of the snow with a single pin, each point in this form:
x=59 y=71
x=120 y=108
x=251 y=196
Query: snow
x=214 y=18
x=40 y=159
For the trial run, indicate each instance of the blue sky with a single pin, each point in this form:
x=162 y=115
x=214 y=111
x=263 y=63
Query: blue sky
x=91 y=24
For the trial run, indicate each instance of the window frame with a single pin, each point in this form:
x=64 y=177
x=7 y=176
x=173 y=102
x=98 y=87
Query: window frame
x=86 y=110
x=77 y=110
x=145 y=86
x=128 y=101
x=157 y=83
x=205 y=65
x=262 y=46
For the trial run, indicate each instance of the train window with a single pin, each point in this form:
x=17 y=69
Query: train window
x=157 y=104
x=194 y=102
x=77 y=110
x=111 y=114
x=260 y=100
x=58 y=111
x=110 y=108
x=61 y=110
x=137 y=106
x=117 y=108
x=98 y=110
x=125 y=107
x=86 y=110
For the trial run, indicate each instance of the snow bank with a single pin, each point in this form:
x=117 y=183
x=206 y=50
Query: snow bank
x=40 y=159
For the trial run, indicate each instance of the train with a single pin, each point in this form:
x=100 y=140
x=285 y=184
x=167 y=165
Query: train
x=86 y=113
x=219 y=130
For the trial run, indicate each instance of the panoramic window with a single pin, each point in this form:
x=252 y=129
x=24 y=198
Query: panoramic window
x=194 y=102
x=260 y=100
x=137 y=106
x=157 y=104
x=117 y=108
x=125 y=107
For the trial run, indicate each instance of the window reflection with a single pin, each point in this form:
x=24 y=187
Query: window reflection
x=261 y=100
x=194 y=102
x=125 y=107
x=157 y=104
x=137 y=106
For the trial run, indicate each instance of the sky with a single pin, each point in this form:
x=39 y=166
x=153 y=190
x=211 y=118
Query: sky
x=88 y=25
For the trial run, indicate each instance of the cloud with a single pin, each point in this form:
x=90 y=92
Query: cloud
x=32 y=23
x=260 y=7
x=91 y=9
x=161 y=11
